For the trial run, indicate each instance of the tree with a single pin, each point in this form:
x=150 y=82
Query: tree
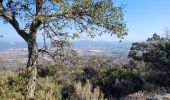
x=155 y=37
x=155 y=52
x=54 y=19
x=155 y=55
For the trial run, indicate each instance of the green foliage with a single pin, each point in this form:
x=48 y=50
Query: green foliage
x=159 y=78
x=155 y=37
x=155 y=53
x=149 y=87
x=152 y=59
x=125 y=81
x=48 y=89
x=64 y=76
x=13 y=87
x=67 y=91
x=115 y=81
x=48 y=69
x=75 y=35
x=58 y=82
x=98 y=62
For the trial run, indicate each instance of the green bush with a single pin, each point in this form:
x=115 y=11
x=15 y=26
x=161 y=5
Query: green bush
x=48 y=69
x=121 y=81
x=158 y=78
x=115 y=81
x=149 y=87
x=48 y=89
x=13 y=87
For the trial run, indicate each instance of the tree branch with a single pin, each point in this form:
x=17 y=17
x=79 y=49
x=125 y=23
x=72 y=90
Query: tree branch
x=13 y=22
x=28 y=10
x=55 y=15
x=48 y=53
x=37 y=21
x=39 y=7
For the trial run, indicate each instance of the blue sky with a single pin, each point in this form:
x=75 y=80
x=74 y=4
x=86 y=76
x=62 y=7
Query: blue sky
x=143 y=18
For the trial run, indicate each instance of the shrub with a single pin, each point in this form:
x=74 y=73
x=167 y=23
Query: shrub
x=67 y=91
x=13 y=87
x=49 y=69
x=115 y=81
x=158 y=78
x=48 y=89
x=121 y=81
x=86 y=92
x=149 y=87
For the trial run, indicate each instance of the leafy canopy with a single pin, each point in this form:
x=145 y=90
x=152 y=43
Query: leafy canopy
x=57 y=17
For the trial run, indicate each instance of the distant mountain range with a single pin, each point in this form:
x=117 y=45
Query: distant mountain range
x=13 y=53
x=101 y=44
x=76 y=44
x=9 y=45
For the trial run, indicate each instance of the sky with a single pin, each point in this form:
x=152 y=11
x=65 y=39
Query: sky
x=143 y=19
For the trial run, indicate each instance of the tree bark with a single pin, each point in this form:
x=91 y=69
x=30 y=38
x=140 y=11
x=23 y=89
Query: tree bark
x=32 y=67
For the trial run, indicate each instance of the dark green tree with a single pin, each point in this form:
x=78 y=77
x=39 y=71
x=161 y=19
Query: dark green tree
x=155 y=52
x=155 y=37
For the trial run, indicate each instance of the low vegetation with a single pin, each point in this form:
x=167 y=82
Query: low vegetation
x=143 y=76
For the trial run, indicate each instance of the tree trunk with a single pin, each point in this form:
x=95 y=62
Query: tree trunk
x=32 y=67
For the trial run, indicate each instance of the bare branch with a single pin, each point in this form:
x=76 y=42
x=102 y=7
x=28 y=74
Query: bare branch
x=48 y=53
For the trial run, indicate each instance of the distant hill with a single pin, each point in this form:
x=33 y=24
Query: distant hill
x=9 y=45
x=16 y=55
x=101 y=44
x=76 y=44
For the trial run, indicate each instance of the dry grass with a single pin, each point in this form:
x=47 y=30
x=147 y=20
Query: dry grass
x=86 y=93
